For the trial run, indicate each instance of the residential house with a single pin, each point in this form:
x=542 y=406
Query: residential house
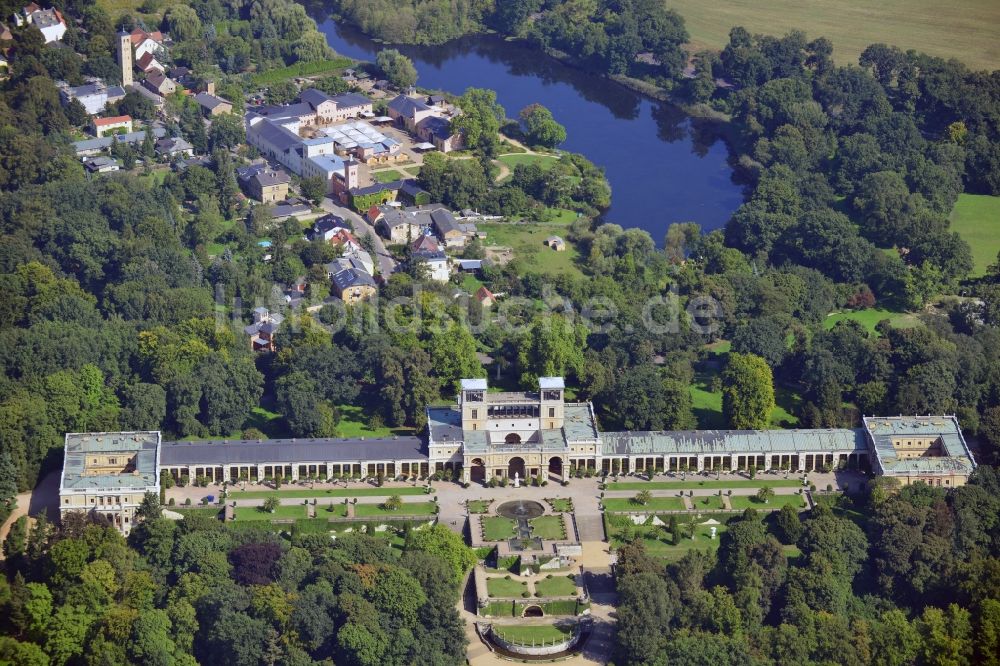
x=174 y=146
x=286 y=209
x=101 y=164
x=408 y=111
x=112 y=125
x=556 y=243
x=89 y=147
x=263 y=183
x=144 y=43
x=353 y=285
x=426 y=250
x=485 y=297
x=158 y=82
x=49 y=22
x=359 y=257
x=182 y=76
x=399 y=225
x=437 y=131
x=326 y=227
x=149 y=64
x=212 y=105
x=445 y=226
x=263 y=329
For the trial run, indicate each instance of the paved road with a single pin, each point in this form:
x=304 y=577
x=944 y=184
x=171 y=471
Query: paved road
x=386 y=264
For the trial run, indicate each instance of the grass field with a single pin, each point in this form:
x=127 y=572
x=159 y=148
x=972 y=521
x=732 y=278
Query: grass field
x=354 y=424
x=501 y=587
x=562 y=505
x=695 y=485
x=977 y=218
x=497 y=528
x=870 y=317
x=750 y=502
x=544 y=161
x=548 y=527
x=478 y=506
x=526 y=241
x=408 y=509
x=707 y=503
x=655 y=504
x=533 y=634
x=304 y=493
x=386 y=176
x=556 y=586
x=116 y=8
x=244 y=513
x=966 y=30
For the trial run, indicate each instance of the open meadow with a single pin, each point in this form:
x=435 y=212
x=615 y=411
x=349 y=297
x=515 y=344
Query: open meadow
x=976 y=217
x=963 y=29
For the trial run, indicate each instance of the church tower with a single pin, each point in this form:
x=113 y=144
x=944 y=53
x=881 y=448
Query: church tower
x=125 y=58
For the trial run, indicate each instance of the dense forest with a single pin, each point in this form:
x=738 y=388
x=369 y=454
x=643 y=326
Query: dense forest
x=200 y=591
x=908 y=577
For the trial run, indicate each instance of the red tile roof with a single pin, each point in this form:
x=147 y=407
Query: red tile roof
x=138 y=36
x=113 y=120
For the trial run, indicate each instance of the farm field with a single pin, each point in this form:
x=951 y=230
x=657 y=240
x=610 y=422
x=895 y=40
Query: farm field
x=977 y=218
x=966 y=30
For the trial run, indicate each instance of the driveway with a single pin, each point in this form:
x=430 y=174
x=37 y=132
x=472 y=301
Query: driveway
x=386 y=264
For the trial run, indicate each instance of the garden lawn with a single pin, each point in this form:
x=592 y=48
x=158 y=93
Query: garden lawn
x=247 y=513
x=478 y=506
x=544 y=161
x=976 y=217
x=408 y=509
x=707 y=503
x=556 y=586
x=563 y=505
x=497 y=528
x=526 y=240
x=655 y=504
x=750 y=502
x=548 y=527
x=529 y=634
x=869 y=317
x=386 y=176
x=694 y=485
x=339 y=510
x=301 y=493
x=501 y=587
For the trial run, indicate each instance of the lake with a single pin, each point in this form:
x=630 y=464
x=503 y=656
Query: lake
x=663 y=166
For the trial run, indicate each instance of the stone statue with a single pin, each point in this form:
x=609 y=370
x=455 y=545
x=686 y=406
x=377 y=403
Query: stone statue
x=517 y=479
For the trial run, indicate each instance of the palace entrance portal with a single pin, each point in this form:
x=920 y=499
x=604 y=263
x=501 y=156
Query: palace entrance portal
x=515 y=466
x=478 y=470
x=555 y=467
